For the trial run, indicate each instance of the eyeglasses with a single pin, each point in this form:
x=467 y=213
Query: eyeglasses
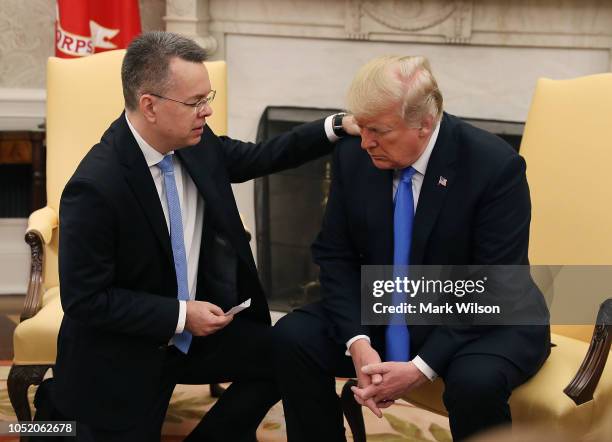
x=198 y=105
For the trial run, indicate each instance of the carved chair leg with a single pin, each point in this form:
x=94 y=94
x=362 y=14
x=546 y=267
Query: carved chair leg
x=216 y=390
x=582 y=387
x=352 y=412
x=19 y=380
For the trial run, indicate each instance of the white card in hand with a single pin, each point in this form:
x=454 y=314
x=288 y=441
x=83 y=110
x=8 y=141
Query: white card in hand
x=239 y=307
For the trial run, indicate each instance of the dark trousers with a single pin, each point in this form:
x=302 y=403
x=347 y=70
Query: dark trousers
x=240 y=353
x=477 y=386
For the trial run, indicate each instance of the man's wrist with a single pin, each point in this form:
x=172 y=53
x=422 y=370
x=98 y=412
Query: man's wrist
x=329 y=130
x=354 y=339
x=337 y=125
x=182 y=318
x=359 y=346
x=424 y=368
x=334 y=126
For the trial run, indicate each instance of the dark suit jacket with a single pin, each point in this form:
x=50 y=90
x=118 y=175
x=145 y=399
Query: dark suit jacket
x=481 y=216
x=117 y=276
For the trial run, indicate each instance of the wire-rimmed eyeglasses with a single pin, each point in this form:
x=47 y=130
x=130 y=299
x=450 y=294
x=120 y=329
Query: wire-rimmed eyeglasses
x=198 y=105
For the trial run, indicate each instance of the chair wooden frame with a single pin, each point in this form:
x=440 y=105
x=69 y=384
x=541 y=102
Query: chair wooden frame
x=42 y=223
x=580 y=389
x=21 y=377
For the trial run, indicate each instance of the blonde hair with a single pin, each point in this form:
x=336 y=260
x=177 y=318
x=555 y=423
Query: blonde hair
x=391 y=80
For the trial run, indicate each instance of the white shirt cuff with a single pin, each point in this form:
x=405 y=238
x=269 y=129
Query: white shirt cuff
x=425 y=369
x=180 y=326
x=329 y=130
x=353 y=339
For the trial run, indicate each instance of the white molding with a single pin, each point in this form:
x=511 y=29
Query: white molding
x=191 y=18
x=22 y=109
x=529 y=23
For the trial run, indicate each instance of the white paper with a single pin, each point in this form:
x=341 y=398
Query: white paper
x=239 y=308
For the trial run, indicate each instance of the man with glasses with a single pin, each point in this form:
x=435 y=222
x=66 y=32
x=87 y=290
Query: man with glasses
x=153 y=252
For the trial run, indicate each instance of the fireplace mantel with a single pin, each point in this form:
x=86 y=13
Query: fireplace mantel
x=579 y=24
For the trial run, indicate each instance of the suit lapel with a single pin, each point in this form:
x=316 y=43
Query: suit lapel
x=203 y=166
x=439 y=177
x=138 y=176
x=379 y=213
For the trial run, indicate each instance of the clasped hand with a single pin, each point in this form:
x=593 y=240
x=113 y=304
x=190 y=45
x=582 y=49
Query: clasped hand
x=381 y=383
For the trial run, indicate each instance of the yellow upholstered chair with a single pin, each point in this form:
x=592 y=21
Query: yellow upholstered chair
x=567 y=145
x=83 y=97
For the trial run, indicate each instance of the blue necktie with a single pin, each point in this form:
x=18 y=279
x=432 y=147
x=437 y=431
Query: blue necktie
x=397 y=335
x=182 y=340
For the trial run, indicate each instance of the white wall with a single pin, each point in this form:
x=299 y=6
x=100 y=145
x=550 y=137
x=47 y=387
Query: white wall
x=14 y=256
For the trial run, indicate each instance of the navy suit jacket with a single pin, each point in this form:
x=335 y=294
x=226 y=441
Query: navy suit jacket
x=481 y=216
x=117 y=276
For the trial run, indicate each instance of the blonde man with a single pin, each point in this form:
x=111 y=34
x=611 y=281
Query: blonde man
x=466 y=201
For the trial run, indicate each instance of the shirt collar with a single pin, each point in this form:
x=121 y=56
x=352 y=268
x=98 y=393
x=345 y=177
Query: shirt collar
x=152 y=157
x=420 y=165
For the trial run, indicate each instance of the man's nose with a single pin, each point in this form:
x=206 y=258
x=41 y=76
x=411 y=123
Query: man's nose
x=206 y=111
x=367 y=140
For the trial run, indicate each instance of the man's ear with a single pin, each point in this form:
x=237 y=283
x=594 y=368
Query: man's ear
x=427 y=126
x=148 y=108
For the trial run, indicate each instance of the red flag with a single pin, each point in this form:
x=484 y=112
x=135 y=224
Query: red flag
x=85 y=27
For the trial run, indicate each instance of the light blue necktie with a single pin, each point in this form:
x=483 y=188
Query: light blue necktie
x=182 y=340
x=397 y=335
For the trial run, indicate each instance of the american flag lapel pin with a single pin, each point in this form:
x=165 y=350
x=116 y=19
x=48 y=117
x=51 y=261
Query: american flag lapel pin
x=442 y=181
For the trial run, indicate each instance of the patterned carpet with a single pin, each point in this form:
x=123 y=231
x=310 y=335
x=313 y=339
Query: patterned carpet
x=401 y=423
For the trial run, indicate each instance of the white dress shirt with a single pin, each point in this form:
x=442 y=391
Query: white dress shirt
x=192 y=213
x=420 y=165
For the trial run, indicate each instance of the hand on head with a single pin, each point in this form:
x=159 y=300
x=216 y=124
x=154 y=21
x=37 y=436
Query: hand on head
x=350 y=125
